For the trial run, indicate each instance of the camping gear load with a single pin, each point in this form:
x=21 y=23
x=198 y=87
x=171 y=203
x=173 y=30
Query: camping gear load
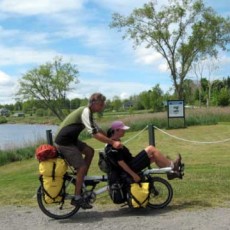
x=45 y=151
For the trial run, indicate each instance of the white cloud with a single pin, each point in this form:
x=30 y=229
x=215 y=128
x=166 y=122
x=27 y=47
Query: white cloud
x=26 y=7
x=4 y=79
x=126 y=6
x=98 y=37
x=5 y=34
x=224 y=60
x=89 y=64
x=109 y=89
x=7 y=88
x=163 y=67
x=124 y=95
x=147 y=56
x=23 y=55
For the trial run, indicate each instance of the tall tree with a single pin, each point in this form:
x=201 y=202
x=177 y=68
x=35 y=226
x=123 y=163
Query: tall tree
x=184 y=31
x=49 y=83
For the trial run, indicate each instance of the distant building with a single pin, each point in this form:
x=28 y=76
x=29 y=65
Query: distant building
x=127 y=105
x=4 y=112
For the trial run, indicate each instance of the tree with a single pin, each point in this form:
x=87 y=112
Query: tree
x=189 y=91
x=28 y=106
x=152 y=99
x=145 y=99
x=204 y=89
x=223 y=97
x=184 y=31
x=18 y=106
x=157 y=98
x=207 y=68
x=75 y=103
x=49 y=84
x=116 y=103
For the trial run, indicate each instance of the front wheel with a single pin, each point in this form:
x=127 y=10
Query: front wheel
x=161 y=193
x=62 y=209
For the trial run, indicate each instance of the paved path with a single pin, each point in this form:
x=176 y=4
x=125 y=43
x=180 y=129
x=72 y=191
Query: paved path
x=114 y=217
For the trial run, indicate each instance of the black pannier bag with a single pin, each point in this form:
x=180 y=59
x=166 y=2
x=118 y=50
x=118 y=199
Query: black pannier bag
x=117 y=193
x=103 y=162
x=117 y=189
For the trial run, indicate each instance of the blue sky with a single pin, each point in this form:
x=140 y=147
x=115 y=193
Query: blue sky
x=34 y=32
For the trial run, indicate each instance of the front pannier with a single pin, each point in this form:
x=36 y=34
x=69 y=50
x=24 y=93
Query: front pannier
x=139 y=195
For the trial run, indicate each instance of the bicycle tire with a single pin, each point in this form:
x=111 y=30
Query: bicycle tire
x=161 y=193
x=60 y=210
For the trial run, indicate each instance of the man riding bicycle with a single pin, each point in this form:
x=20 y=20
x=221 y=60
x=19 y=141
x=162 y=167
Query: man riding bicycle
x=73 y=149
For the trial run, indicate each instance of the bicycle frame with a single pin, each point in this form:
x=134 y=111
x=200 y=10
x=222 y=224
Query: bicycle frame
x=94 y=180
x=157 y=171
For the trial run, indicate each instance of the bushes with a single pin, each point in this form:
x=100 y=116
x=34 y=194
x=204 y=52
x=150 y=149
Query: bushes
x=223 y=97
x=3 y=120
x=13 y=155
x=41 y=112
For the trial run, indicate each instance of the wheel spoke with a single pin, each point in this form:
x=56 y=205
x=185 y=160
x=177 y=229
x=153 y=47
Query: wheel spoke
x=161 y=193
x=59 y=210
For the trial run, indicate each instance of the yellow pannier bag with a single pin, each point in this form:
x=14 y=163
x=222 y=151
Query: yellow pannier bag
x=139 y=194
x=52 y=172
x=55 y=166
x=53 y=189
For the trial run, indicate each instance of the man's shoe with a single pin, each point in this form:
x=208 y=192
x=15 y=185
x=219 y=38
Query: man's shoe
x=82 y=203
x=173 y=175
x=177 y=164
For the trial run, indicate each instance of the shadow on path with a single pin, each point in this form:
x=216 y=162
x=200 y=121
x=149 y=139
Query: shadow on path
x=89 y=216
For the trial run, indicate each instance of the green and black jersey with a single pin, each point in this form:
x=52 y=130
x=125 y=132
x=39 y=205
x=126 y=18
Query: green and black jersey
x=73 y=124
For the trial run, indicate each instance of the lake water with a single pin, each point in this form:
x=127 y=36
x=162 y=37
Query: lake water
x=19 y=135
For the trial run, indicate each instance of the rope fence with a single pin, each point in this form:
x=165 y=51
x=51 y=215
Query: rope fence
x=175 y=137
x=192 y=141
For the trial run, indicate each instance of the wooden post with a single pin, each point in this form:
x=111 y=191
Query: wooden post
x=151 y=135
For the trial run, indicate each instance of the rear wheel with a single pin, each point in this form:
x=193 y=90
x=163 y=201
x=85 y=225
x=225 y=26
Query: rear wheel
x=60 y=210
x=161 y=193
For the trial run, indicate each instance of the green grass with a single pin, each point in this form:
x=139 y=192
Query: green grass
x=207 y=173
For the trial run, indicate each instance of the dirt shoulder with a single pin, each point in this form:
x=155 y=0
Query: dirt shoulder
x=114 y=217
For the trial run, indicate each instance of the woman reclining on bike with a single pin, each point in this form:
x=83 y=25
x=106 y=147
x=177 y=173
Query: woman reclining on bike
x=133 y=165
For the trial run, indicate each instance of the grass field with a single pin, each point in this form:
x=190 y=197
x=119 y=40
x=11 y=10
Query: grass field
x=207 y=173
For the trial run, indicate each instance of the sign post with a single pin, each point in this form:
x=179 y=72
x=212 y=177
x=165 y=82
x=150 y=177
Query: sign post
x=176 y=109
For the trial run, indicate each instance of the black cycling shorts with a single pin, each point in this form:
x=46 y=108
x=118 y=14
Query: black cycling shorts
x=140 y=161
